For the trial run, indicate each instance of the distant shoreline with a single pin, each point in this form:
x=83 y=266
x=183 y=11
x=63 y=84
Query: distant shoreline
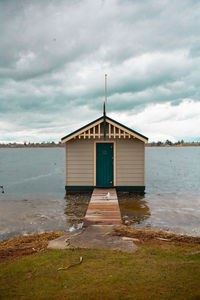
x=31 y=146
x=170 y=146
x=13 y=146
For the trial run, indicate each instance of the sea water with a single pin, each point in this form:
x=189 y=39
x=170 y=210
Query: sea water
x=34 y=197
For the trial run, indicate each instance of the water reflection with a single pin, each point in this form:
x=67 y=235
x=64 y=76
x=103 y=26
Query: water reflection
x=134 y=208
x=76 y=207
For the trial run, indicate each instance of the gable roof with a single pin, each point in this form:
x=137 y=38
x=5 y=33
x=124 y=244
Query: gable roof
x=100 y=120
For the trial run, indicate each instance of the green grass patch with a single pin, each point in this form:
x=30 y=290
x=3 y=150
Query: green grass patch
x=153 y=272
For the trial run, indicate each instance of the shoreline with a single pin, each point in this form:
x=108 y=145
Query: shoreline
x=30 y=147
x=34 y=243
x=62 y=146
x=167 y=146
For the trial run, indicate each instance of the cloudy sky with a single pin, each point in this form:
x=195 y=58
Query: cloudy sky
x=54 y=54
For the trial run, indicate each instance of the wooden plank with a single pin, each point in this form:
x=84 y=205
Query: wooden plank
x=99 y=131
x=103 y=210
x=94 y=132
x=109 y=131
x=119 y=133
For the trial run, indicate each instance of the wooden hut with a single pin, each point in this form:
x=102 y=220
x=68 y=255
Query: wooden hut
x=105 y=153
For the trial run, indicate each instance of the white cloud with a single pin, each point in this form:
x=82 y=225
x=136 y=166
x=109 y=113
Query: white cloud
x=54 y=54
x=165 y=121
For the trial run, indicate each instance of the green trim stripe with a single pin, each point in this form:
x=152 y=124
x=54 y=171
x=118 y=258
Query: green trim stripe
x=118 y=188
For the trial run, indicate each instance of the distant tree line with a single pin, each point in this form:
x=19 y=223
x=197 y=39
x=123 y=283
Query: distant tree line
x=31 y=145
x=168 y=143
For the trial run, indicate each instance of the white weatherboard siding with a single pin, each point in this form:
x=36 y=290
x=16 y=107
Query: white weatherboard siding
x=130 y=162
x=79 y=163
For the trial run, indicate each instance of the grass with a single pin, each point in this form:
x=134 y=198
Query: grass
x=162 y=270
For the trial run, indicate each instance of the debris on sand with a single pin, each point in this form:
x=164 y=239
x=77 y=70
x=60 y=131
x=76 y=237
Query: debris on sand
x=25 y=245
x=145 y=235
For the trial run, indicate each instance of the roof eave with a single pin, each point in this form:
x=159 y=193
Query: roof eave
x=144 y=137
x=76 y=131
x=138 y=135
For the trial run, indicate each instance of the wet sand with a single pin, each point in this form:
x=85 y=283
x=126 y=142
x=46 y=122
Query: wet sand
x=171 y=213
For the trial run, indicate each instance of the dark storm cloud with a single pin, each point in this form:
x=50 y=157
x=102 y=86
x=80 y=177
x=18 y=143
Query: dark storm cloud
x=54 y=54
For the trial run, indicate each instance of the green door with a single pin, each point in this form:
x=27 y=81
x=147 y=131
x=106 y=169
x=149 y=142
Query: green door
x=104 y=164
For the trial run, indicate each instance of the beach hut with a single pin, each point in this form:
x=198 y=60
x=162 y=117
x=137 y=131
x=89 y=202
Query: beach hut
x=105 y=153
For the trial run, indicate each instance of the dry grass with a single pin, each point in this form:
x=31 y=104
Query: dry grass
x=152 y=236
x=26 y=245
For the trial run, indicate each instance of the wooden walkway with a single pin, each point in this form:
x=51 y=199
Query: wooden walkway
x=103 y=208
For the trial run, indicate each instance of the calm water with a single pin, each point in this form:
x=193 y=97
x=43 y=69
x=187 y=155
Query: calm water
x=34 y=201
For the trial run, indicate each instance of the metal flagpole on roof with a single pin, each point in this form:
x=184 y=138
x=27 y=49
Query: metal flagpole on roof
x=105 y=108
x=105 y=94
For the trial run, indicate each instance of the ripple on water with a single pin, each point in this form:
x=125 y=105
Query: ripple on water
x=33 y=201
